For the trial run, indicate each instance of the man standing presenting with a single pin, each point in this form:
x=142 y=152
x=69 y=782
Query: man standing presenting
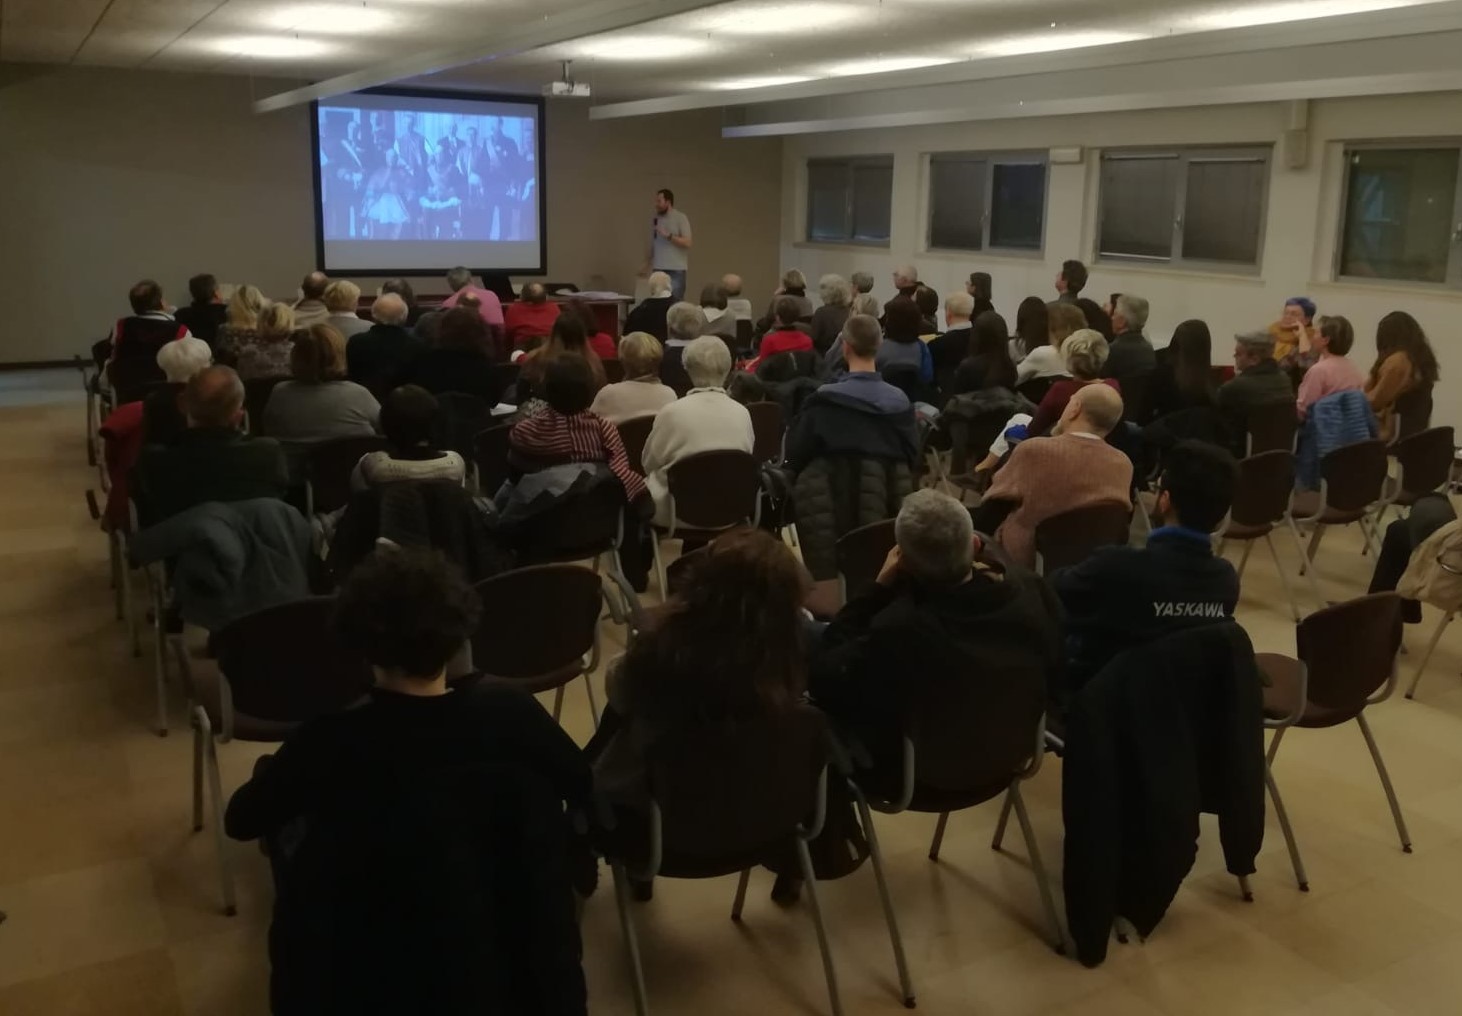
x=670 y=243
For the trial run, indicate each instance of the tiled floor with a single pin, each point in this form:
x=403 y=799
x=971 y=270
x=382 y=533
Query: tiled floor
x=112 y=902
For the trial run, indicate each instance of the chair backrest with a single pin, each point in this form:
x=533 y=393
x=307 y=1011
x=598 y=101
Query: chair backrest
x=328 y=466
x=673 y=373
x=578 y=527
x=1414 y=411
x=613 y=371
x=460 y=418
x=634 y=432
x=769 y=425
x=1272 y=427
x=1069 y=538
x=1262 y=493
x=905 y=377
x=502 y=379
x=537 y=621
x=861 y=553
x=744 y=332
x=1035 y=388
x=715 y=490
x=1426 y=459
x=1350 y=650
x=728 y=790
x=256 y=396
x=130 y=377
x=781 y=367
x=1355 y=475
x=285 y=664
x=490 y=453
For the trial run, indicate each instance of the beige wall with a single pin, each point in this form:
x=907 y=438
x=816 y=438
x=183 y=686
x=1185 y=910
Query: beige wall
x=108 y=176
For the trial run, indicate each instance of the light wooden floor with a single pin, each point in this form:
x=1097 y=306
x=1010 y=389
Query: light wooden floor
x=113 y=908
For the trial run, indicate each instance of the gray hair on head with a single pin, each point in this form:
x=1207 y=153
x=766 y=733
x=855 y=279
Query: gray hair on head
x=659 y=284
x=862 y=281
x=960 y=305
x=684 y=321
x=1134 y=310
x=707 y=361
x=390 y=309
x=866 y=303
x=459 y=277
x=833 y=290
x=1259 y=343
x=182 y=358
x=935 y=536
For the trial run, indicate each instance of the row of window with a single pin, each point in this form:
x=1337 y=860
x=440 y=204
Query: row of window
x=1205 y=208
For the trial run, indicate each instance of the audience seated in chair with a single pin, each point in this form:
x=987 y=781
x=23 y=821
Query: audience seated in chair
x=793 y=287
x=1430 y=513
x=1294 y=334
x=1085 y=354
x=1404 y=363
x=937 y=613
x=425 y=800
x=902 y=344
x=459 y=360
x=641 y=393
x=531 y=316
x=649 y=314
x=602 y=343
x=206 y=312
x=989 y=364
x=852 y=448
x=381 y=354
x=567 y=338
x=212 y=460
x=310 y=309
x=828 y=320
x=319 y=404
x=409 y=422
x=400 y=287
x=1131 y=355
x=1183 y=377
x=163 y=418
x=683 y=324
x=784 y=336
x=139 y=336
x=1257 y=382
x=927 y=300
x=949 y=349
x=488 y=305
x=1122 y=597
x=705 y=420
x=720 y=318
x=1073 y=468
x=241 y=326
x=1333 y=371
x=264 y=351
x=342 y=300
x=735 y=302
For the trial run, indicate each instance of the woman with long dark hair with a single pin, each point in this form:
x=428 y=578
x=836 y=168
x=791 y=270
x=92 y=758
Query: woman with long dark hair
x=989 y=364
x=1031 y=328
x=1404 y=363
x=901 y=344
x=1183 y=377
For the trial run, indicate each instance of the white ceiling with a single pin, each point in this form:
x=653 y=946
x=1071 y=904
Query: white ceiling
x=712 y=51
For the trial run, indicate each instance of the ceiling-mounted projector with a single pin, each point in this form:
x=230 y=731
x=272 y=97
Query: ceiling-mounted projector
x=566 y=87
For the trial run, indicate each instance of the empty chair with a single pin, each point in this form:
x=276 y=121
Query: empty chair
x=1069 y=538
x=1345 y=661
x=490 y=457
x=1271 y=427
x=460 y=418
x=277 y=668
x=634 y=433
x=540 y=629
x=1423 y=463
x=770 y=426
x=327 y=468
x=1352 y=488
x=1261 y=498
x=710 y=493
x=861 y=553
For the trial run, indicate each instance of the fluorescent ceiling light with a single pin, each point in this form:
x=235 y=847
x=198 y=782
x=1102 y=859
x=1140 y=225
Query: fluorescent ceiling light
x=764 y=81
x=268 y=47
x=639 y=47
x=1292 y=10
x=777 y=18
x=1051 y=42
x=331 y=19
x=883 y=64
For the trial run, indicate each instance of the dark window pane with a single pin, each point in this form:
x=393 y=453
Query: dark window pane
x=1223 y=210
x=872 y=197
x=1399 y=213
x=956 y=203
x=1018 y=206
x=1138 y=198
x=827 y=201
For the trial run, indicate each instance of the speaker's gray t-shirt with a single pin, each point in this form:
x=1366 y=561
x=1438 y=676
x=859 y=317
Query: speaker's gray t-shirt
x=667 y=256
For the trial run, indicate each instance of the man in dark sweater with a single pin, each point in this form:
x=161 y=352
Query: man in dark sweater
x=1258 y=382
x=211 y=460
x=936 y=614
x=1121 y=597
x=380 y=356
x=1131 y=354
x=419 y=842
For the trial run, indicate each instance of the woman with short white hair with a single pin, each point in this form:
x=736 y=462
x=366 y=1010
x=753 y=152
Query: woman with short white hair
x=342 y=298
x=641 y=393
x=162 y=412
x=828 y=320
x=705 y=420
x=1085 y=353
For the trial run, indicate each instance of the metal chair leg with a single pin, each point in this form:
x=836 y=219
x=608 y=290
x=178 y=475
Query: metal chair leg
x=906 y=985
x=1426 y=656
x=631 y=943
x=198 y=735
x=593 y=705
x=1283 y=575
x=1244 y=560
x=1314 y=548
x=1294 y=851
x=828 y=970
x=159 y=663
x=938 y=836
x=1307 y=567
x=999 y=836
x=740 y=900
x=1365 y=728
x=215 y=792
x=659 y=567
x=129 y=610
x=1274 y=745
x=1043 y=881
x=557 y=702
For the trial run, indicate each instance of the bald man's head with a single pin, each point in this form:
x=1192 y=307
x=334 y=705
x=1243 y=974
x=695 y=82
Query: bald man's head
x=1094 y=409
x=214 y=398
x=732 y=283
x=313 y=286
x=390 y=309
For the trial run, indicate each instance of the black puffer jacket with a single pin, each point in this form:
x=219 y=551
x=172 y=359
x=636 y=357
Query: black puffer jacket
x=839 y=493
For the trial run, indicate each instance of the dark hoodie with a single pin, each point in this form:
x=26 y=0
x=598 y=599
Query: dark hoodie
x=862 y=415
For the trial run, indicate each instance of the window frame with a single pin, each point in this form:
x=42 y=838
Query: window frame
x=1452 y=283
x=1261 y=152
x=848 y=163
x=990 y=159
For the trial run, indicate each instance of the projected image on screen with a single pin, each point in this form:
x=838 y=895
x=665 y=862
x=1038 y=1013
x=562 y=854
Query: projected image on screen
x=421 y=175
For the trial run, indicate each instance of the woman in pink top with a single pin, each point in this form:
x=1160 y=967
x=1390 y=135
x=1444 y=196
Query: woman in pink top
x=1333 y=372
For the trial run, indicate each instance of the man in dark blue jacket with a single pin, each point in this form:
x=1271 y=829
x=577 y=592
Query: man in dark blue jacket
x=1122 y=597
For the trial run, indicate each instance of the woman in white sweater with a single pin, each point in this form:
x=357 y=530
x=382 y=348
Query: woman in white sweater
x=641 y=393
x=1044 y=360
x=706 y=420
x=409 y=421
